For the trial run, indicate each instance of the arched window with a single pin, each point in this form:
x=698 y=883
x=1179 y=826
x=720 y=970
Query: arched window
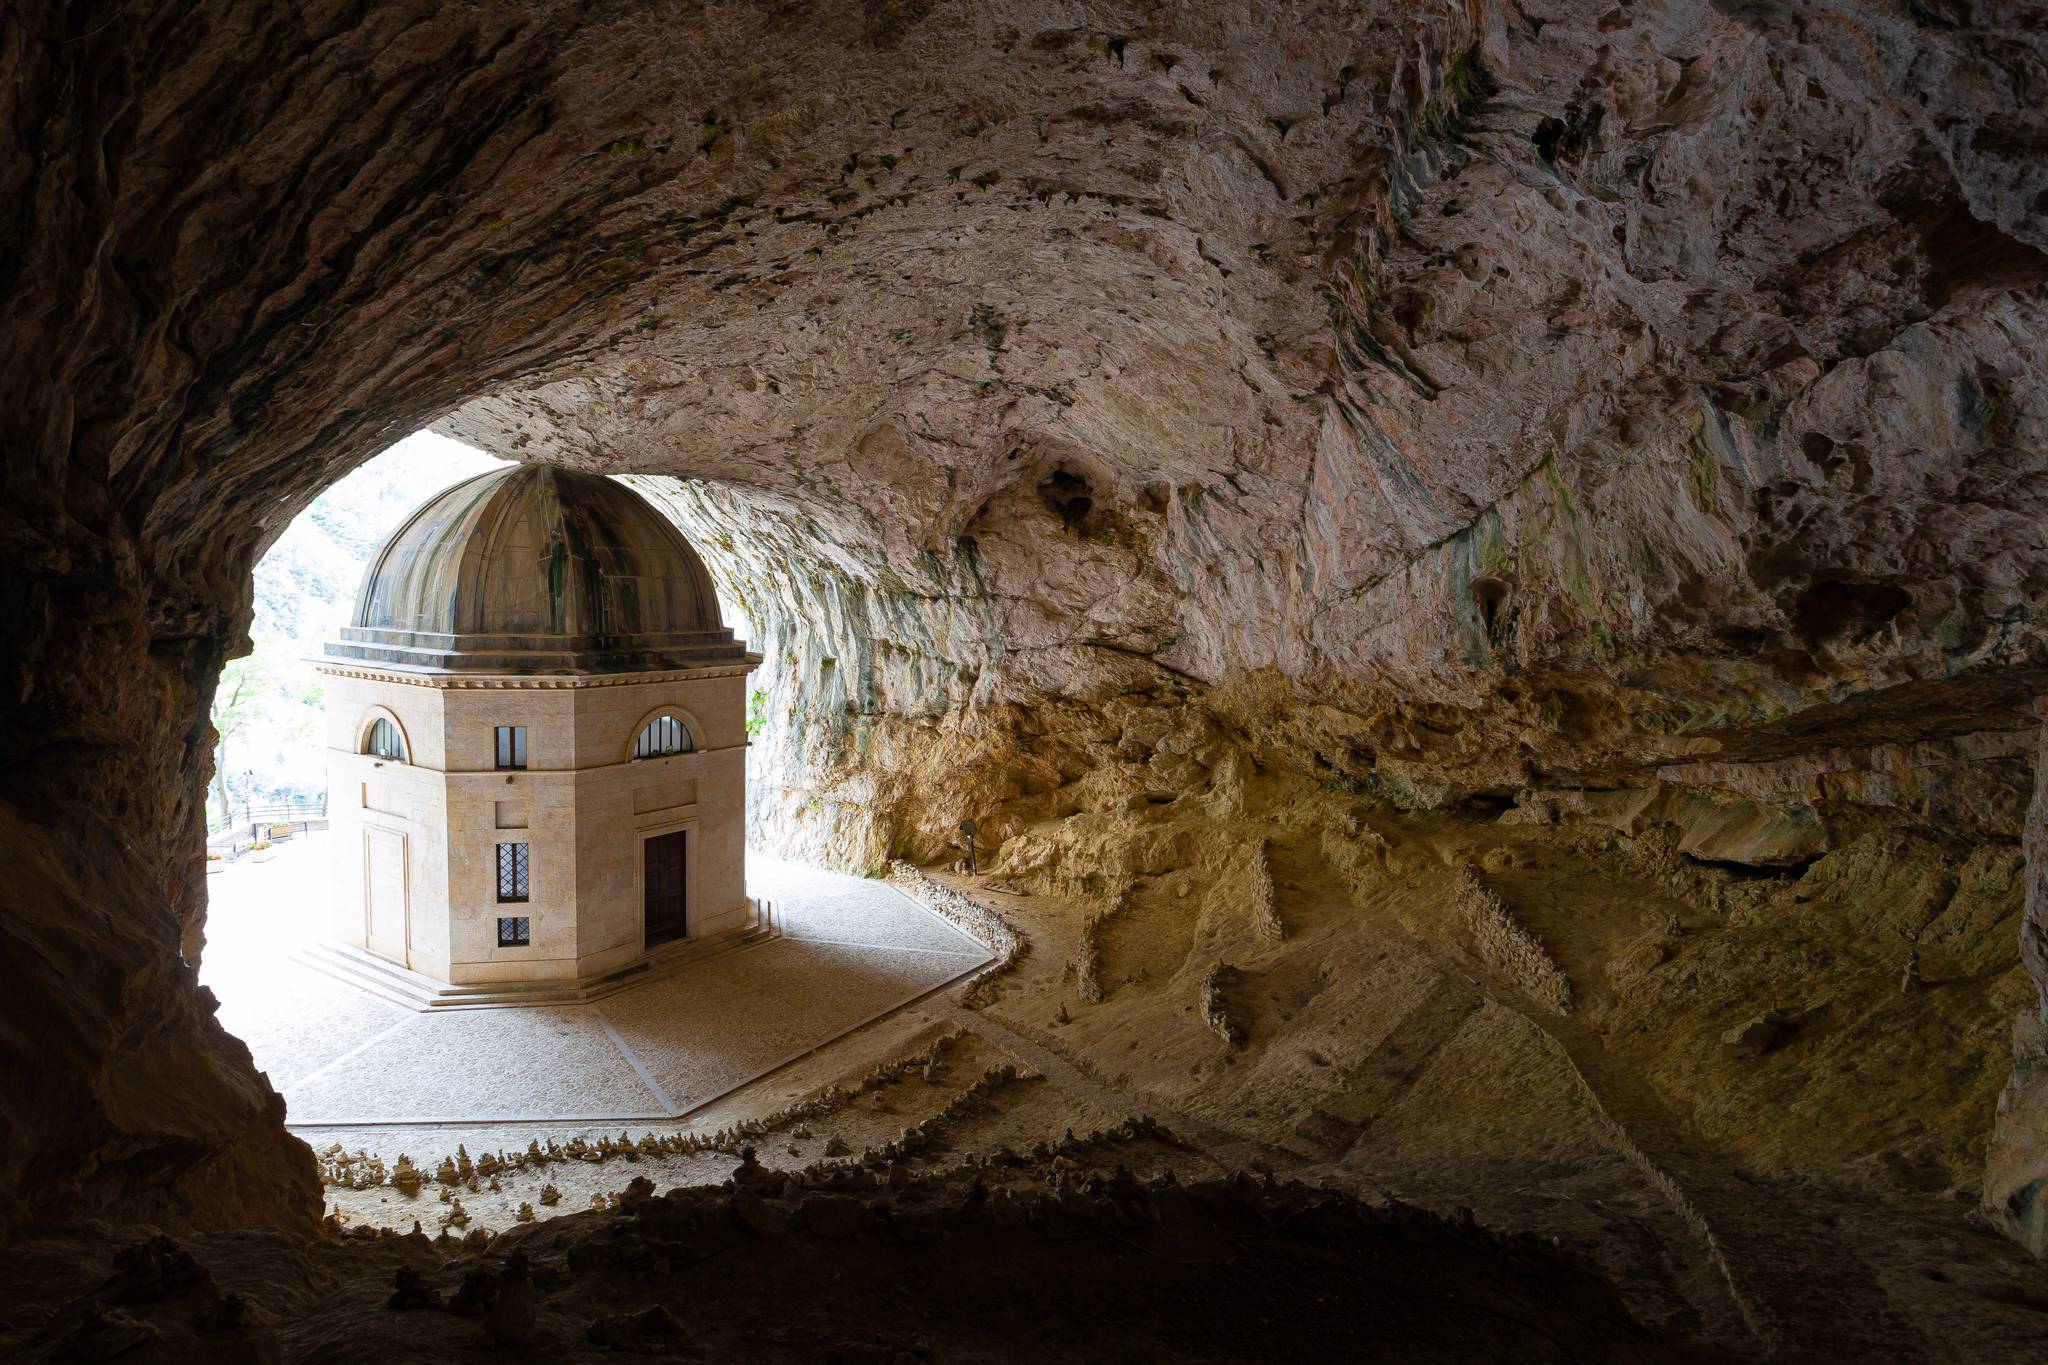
x=663 y=735
x=385 y=741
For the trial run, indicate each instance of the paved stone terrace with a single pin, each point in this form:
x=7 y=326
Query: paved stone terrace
x=851 y=951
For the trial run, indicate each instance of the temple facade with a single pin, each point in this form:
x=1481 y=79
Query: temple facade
x=537 y=735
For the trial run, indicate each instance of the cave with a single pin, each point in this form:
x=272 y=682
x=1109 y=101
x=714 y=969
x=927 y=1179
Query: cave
x=1478 y=573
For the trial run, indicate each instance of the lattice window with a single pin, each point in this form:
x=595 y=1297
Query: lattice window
x=511 y=746
x=514 y=932
x=663 y=735
x=512 y=860
x=385 y=741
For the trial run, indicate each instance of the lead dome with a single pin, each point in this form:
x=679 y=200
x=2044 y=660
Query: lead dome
x=536 y=569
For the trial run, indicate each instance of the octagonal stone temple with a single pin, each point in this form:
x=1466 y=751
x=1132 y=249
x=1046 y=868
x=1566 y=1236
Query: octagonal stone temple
x=536 y=743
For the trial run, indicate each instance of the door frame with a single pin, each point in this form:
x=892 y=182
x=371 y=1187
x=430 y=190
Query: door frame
x=370 y=833
x=688 y=829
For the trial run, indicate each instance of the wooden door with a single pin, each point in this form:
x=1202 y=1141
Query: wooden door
x=384 y=893
x=665 y=877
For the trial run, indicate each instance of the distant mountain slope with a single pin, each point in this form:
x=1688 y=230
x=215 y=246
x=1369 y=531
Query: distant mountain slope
x=268 y=707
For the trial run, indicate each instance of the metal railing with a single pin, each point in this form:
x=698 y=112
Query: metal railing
x=259 y=822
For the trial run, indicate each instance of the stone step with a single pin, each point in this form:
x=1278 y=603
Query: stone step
x=372 y=974
x=399 y=985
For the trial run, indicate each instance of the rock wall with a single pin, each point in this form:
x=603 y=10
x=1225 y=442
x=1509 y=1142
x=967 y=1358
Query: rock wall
x=1507 y=945
x=1465 y=400
x=2016 y=1171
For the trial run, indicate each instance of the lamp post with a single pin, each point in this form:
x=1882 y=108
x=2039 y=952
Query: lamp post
x=969 y=828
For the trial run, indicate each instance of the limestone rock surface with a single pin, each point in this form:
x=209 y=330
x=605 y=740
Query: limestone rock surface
x=1449 y=400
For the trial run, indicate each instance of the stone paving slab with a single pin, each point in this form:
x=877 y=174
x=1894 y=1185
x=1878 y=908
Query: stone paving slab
x=701 y=1033
x=883 y=917
x=297 y=1020
x=853 y=951
x=829 y=907
x=516 y=1063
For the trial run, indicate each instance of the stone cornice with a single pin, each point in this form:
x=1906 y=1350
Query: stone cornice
x=506 y=682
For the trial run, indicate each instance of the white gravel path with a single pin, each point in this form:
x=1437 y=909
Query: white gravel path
x=852 y=950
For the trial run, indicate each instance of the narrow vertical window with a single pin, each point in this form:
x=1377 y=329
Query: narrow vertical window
x=511 y=746
x=511 y=872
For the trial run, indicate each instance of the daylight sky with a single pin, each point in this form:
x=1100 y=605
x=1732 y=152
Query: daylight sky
x=305 y=588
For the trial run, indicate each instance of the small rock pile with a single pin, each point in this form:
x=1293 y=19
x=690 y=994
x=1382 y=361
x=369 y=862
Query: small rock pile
x=976 y=920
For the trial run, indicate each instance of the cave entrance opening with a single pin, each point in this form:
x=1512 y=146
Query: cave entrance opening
x=480 y=813
x=271 y=893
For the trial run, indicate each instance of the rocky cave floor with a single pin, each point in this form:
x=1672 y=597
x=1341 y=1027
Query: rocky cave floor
x=1286 y=1073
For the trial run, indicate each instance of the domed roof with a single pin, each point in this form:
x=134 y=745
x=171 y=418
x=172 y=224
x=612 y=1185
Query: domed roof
x=533 y=569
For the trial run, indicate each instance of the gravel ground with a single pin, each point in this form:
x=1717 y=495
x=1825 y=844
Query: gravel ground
x=297 y=1021
x=852 y=950
x=294 y=1019
x=824 y=907
x=512 y=1063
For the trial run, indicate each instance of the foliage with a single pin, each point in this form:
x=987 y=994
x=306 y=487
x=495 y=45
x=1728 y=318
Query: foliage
x=757 y=712
x=240 y=702
x=988 y=325
x=243 y=698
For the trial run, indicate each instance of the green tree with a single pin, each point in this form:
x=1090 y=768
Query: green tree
x=240 y=703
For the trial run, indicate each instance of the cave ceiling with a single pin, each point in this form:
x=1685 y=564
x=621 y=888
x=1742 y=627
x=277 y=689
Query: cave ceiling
x=1389 y=346
x=1385 y=346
